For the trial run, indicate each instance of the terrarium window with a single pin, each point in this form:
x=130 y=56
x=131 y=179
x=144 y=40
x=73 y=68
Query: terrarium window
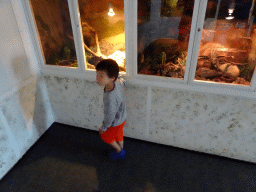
x=54 y=27
x=227 y=51
x=103 y=31
x=163 y=35
x=169 y=8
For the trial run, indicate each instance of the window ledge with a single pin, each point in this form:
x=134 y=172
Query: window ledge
x=69 y=72
x=161 y=82
x=205 y=87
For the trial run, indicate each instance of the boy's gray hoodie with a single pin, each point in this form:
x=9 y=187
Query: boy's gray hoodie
x=114 y=106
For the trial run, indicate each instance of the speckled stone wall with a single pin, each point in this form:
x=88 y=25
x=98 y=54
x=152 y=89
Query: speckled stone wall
x=25 y=110
x=211 y=123
x=79 y=103
x=24 y=116
x=136 y=101
x=75 y=101
x=7 y=154
x=216 y=124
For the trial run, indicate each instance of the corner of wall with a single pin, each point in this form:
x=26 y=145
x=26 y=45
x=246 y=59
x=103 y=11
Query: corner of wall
x=25 y=114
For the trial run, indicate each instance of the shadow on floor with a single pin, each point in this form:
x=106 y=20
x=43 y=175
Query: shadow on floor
x=68 y=158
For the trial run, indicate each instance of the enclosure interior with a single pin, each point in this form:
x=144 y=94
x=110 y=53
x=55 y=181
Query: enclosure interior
x=227 y=46
x=102 y=27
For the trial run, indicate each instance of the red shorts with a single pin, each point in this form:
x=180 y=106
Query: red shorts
x=113 y=134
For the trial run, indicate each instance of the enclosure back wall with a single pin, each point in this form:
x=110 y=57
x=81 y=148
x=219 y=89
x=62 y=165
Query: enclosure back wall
x=25 y=111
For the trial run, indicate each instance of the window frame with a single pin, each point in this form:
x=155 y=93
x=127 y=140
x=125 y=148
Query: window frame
x=130 y=12
x=198 y=34
x=194 y=44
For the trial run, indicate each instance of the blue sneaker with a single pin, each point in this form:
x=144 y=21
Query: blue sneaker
x=114 y=155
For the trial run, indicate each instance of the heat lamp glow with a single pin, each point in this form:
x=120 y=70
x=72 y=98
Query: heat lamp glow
x=119 y=57
x=230 y=12
x=111 y=13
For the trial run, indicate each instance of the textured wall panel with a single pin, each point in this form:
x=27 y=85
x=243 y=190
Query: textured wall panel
x=211 y=123
x=24 y=118
x=222 y=125
x=136 y=101
x=7 y=155
x=76 y=102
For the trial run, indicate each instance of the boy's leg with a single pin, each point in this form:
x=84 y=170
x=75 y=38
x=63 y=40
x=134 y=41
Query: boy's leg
x=120 y=136
x=119 y=154
x=116 y=146
x=121 y=144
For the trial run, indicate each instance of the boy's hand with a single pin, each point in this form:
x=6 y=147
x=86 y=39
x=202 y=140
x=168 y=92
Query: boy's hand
x=121 y=80
x=101 y=131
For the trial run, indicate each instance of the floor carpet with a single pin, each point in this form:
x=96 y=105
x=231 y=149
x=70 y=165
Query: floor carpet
x=68 y=158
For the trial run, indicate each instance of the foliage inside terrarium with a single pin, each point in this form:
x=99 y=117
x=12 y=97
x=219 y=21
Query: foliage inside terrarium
x=74 y=64
x=163 y=60
x=248 y=69
x=182 y=59
x=53 y=59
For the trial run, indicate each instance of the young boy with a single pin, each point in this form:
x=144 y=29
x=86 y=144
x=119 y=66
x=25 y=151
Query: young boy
x=111 y=130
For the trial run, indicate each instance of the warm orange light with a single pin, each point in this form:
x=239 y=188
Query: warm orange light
x=119 y=57
x=231 y=10
x=230 y=17
x=111 y=12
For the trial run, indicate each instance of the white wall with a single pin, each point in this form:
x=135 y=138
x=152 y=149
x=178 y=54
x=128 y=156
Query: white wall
x=212 y=123
x=25 y=111
x=12 y=54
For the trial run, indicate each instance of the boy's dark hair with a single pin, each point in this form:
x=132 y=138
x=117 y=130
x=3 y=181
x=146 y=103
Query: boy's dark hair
x=109 y=66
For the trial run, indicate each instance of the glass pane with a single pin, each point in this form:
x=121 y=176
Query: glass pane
x=54 y=26
x=163 y=36
x=103 y=31
x=228 y=45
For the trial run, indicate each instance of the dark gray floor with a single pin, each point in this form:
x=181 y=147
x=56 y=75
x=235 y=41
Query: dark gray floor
x=68 y=158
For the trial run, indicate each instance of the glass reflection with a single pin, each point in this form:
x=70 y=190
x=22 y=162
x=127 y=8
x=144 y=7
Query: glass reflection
x=103 y=31
x=163 y=36
x=54 y=27
x=228 y=45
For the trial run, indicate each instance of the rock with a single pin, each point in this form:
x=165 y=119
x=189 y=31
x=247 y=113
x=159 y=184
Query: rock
x=223 y=79
x=207 y=73
x=165 y=68
x=64 y=62
x=204 y=62
x=173 y=74
x=227 y=79
x=182 y=72
x=95 y=60
x=146 y=71
x=200 y=63
x=209 y=49
x=171 y=70
x=229 y=70
x=240 y=80
x=223 y=67
x=89 y=66
x=207 y=64
x=233 y=71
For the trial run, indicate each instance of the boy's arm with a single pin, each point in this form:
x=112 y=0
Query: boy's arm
x=110 y=110
x=121 y=80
